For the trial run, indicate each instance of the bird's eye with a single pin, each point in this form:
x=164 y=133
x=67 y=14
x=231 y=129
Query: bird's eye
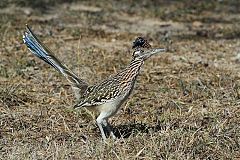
x=136 y=53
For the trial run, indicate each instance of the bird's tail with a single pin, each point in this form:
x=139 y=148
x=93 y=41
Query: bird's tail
x=45 y=54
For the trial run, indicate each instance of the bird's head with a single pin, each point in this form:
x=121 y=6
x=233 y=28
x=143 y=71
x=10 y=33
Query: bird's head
x=141 y=42
x=143 y=50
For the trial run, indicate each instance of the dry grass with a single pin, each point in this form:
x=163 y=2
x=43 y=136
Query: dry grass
x=186 y=103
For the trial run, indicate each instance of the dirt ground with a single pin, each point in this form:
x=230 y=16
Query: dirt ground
x=186 y=102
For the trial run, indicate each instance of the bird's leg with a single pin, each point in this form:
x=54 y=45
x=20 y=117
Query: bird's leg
x=100 y=123
x=111 y=131
x=104 y=126
x=109 y=128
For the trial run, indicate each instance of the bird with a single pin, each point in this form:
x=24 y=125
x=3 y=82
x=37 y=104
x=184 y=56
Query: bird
x=105 y=96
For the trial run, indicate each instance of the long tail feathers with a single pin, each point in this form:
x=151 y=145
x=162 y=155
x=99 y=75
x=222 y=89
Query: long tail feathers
x=44 y=53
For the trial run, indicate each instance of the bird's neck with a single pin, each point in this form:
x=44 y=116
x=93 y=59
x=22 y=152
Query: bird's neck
x=130 y=73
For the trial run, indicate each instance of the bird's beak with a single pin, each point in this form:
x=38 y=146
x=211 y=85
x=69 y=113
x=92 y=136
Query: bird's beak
x=154 y=51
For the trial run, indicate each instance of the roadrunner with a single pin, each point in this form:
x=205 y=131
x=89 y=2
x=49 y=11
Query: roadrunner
x=105 y=97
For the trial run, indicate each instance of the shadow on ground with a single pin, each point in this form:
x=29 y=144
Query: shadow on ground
x=127 y=130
